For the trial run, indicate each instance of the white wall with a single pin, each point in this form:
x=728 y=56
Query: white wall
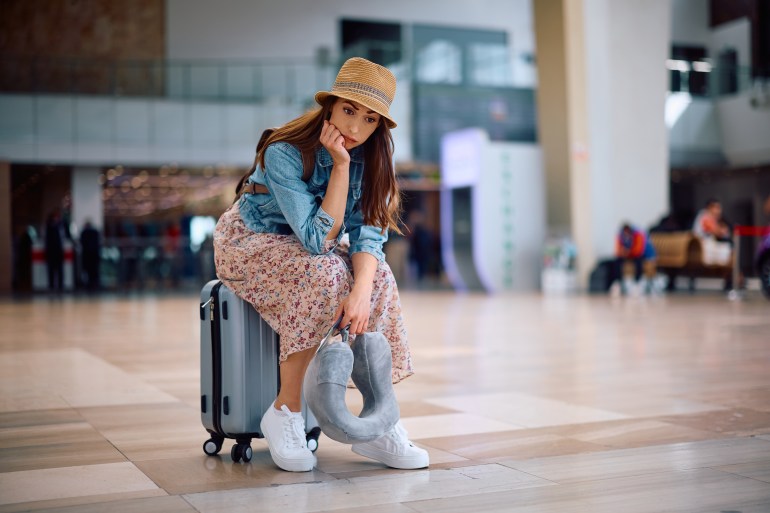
x=735 y=34
x=87 y=204
x=248 y=29
x=626 y=44
x=694 y=135
x=690 y=22
x=744 y=130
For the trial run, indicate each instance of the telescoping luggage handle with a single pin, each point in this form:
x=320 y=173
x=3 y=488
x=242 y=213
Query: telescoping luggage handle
x=329 y=334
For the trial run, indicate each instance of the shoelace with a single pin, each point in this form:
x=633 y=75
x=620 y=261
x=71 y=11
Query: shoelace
x=400 y=435
x=294 y=430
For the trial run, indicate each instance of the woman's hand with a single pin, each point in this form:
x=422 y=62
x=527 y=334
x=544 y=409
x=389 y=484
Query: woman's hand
x=355 y=310
x=334 y=142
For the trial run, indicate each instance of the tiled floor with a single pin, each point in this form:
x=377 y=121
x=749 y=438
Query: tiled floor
x=525 y=402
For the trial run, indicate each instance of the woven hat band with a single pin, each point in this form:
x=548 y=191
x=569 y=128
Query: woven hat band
x=362 y=89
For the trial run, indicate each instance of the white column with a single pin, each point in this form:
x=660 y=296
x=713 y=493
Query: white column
x=87 y=197
x=627 y=43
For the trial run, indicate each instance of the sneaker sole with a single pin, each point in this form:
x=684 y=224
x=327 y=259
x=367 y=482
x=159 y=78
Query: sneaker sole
x=286 y=464
x=390 y=460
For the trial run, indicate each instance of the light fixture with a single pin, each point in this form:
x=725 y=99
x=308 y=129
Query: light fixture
x=702 y=66
x=678 y=65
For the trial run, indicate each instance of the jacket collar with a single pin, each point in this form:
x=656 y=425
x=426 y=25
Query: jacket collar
x=324 y=159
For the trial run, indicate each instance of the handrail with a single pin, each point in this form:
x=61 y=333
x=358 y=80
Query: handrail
x=738 y=232
x=715 y=82
x=289 y=80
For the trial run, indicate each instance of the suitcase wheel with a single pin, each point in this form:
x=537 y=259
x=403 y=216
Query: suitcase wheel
x=241 y=452
x=212 y=446
x=312 y=438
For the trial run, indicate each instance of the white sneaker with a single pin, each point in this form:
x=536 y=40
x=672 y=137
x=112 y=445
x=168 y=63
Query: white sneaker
x=394 y=450
x=285 y=435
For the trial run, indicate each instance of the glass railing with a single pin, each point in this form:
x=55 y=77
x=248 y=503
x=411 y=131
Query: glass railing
x=148 y=263
x=296 y=80
x=267 y=80
x=701 y=79
x=284 y=80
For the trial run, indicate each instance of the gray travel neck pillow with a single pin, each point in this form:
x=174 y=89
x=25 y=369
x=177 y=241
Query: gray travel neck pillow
x=368 y=363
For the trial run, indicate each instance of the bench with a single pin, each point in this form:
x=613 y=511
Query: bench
x=681 y=254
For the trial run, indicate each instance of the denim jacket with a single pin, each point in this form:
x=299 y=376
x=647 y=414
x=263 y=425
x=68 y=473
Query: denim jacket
x=294 y=206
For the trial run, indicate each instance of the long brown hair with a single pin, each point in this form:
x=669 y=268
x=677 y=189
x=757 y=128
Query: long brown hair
x=380 y=198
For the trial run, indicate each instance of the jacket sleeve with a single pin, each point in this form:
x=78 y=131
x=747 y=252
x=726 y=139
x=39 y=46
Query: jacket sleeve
x=283 y=178
x=637 y=249
x=365 y=238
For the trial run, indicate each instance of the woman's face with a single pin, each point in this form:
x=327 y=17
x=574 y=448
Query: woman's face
x=354 y=121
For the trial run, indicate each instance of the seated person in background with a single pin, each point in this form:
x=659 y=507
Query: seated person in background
x=714 y=234
x=633 y=245
x=709 y=222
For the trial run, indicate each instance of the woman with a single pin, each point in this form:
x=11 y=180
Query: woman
x=320 y=176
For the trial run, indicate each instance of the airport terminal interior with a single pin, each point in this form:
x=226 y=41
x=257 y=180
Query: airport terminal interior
x=534 y=139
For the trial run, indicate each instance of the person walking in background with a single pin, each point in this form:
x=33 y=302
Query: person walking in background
x=90 y=247
x=54 y=251
x=320 y=176
x=23 y=260
x=633 y=245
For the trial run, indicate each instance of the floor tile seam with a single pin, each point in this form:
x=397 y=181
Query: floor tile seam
x=350 y=481
x=601 y=448
x=586 y=503
x=123 y=454
x=449 y=465
x=496 y=459
x=101 y=435
x=548 y=429
x=737 y=474
x=626 y=476
x=104 y=436
x=182 y=496
x=658 y=445
x=80 y=420
x=79 y=500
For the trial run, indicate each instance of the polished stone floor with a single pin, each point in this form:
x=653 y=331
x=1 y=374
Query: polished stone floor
x=525 y=402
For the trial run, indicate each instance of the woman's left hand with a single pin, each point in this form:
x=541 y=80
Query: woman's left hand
x=355 y=310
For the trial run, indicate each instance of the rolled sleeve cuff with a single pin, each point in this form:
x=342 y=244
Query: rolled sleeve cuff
x=370 y=247
x=324 y=223
x=323 y=220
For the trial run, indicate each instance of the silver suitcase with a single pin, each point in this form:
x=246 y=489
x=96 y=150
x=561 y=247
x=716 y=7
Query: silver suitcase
x=239 y=372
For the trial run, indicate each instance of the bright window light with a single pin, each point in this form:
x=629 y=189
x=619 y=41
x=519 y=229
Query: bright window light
x=677 y=65
x=200 y=228
x=702 y=66
x=676 y=104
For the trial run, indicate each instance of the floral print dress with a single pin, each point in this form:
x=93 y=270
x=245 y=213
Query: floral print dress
x=297 y=292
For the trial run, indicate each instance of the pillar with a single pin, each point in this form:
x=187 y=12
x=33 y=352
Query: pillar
x=551 y=97
x=602 y=86
x=87 y=197
x=6 y=233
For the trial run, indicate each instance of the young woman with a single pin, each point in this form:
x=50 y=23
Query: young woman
x=323 y=175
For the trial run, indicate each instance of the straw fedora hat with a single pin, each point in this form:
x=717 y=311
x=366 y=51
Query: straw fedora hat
x=367 y=83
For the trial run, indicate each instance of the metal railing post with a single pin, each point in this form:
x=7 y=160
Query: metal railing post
x=734 y=293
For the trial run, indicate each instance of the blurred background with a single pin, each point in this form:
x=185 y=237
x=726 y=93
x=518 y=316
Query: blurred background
x=529 y=130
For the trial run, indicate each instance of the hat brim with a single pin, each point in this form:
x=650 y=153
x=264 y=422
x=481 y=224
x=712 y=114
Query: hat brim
x=320 y=96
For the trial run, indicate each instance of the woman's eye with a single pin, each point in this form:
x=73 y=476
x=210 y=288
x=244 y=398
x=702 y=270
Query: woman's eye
x=347 y=111
x=371 y=120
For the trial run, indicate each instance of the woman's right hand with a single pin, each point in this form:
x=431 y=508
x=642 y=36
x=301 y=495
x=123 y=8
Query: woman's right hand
x=334 y=142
